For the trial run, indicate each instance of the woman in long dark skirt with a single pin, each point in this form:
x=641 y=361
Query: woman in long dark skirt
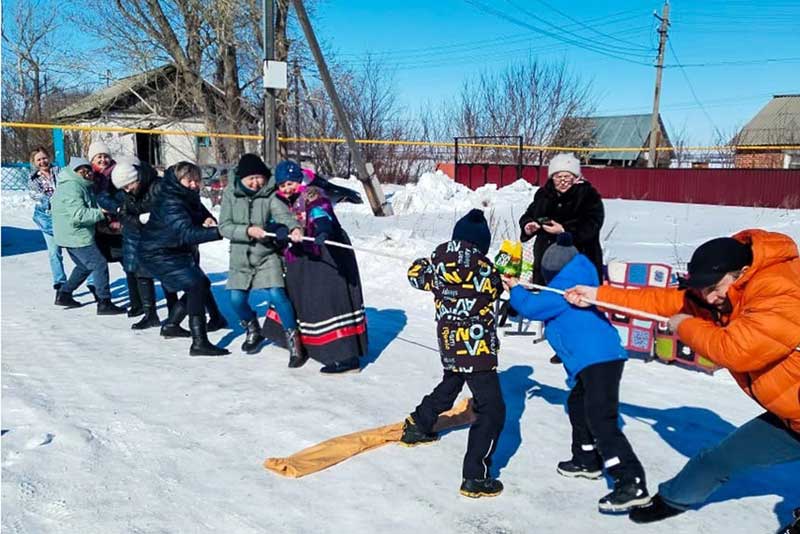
x=322 y=281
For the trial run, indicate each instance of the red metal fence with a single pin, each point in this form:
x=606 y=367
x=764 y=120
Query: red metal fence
x=723 y=187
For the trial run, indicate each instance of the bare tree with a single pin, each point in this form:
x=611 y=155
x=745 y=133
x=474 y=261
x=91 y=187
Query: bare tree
x=531 y=99
x=35 y=74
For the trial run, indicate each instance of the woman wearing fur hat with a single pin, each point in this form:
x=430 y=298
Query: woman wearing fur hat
x=42 y=185
x=250 y=209
x=75 y=215
x=178 y=223
x=323 y=282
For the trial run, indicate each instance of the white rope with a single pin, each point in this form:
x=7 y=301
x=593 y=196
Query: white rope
x=606 y=305
x=351 y=247
x=609 y=306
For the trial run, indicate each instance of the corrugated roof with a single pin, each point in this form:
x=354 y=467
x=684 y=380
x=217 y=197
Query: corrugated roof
x=778 y=123
x=619 y=131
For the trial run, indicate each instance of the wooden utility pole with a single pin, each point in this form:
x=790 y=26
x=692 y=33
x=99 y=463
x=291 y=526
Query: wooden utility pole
x=654 y=125
x=372 y=186
x=270 y=143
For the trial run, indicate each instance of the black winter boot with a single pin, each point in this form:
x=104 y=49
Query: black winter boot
x=627 y=494
x=253 y=338
x=147 y=291
x=657 y=510
x=794 y=526
x=135 y=302
x=216 y=321
x=574 y=469
x=66 y=300
x=413 y=435
x=201 y=346
x=172 y=327
x=297 y=354
x=106 y=307
x=481 y=487
x=350 y=365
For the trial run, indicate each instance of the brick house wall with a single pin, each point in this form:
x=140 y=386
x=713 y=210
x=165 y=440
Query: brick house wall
x=759 y=160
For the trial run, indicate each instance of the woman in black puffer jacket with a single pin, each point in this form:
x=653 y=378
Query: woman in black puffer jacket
x=178 y=223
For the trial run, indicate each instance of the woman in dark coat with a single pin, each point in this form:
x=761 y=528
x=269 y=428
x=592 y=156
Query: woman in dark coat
x=137 y=184
x=322 y=281
x=566 y=203
x=178 y=223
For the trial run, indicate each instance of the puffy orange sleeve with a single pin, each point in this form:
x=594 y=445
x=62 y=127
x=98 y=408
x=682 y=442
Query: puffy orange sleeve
x=661 y=301
x=765 y=332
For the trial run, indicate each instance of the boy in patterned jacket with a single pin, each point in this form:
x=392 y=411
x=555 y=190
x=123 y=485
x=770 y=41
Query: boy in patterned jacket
x=465 y=285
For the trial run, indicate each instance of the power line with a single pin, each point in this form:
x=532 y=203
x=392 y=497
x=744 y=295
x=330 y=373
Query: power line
x=555 y=36
x=591 y=28
x=691 y=89
x=734 y=63
x=611 y=19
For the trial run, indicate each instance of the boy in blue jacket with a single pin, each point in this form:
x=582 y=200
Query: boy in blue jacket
x=593 y=357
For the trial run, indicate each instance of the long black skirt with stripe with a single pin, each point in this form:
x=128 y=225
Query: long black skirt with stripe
x=325 y=288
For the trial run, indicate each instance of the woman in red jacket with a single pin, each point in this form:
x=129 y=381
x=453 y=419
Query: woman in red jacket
x=739 y=307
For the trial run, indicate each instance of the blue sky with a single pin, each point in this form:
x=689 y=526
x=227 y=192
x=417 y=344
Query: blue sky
x=435 y=45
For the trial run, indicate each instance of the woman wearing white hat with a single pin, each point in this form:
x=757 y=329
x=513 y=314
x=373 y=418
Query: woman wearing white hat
x=565 y=203
x=110 y=241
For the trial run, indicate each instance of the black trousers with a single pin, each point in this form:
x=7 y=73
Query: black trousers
x=488 y=406
x=593 y=406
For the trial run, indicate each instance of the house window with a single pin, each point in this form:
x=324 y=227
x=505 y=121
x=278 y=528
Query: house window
x=203 y=142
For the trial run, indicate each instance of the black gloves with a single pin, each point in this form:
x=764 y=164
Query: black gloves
x=320 y=239
x=281 y=233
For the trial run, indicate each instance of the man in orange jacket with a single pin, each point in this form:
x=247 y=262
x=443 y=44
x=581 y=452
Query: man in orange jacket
x=740 y=307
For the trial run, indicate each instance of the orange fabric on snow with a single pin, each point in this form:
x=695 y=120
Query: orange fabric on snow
x=335 y=450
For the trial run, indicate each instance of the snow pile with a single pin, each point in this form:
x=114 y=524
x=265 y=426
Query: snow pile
x=435 y=192
x=17 y=200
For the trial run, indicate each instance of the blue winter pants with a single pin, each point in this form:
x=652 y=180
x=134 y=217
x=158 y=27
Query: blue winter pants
x=275 y=296
x=761 y=442
x=88 y=261
x=56 y=260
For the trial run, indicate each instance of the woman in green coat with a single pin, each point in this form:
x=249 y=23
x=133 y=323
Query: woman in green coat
x=75 y=214
x=249 y=211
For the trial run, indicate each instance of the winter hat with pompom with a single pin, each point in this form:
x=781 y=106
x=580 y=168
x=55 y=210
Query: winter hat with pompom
x=564 y=162
x=558 y=255
x=474 y=229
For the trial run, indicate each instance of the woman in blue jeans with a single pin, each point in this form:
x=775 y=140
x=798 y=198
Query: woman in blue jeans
x=41 y=186
x=249 y=210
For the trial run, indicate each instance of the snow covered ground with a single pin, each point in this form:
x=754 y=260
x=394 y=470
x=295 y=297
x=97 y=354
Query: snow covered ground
x=109 y=430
